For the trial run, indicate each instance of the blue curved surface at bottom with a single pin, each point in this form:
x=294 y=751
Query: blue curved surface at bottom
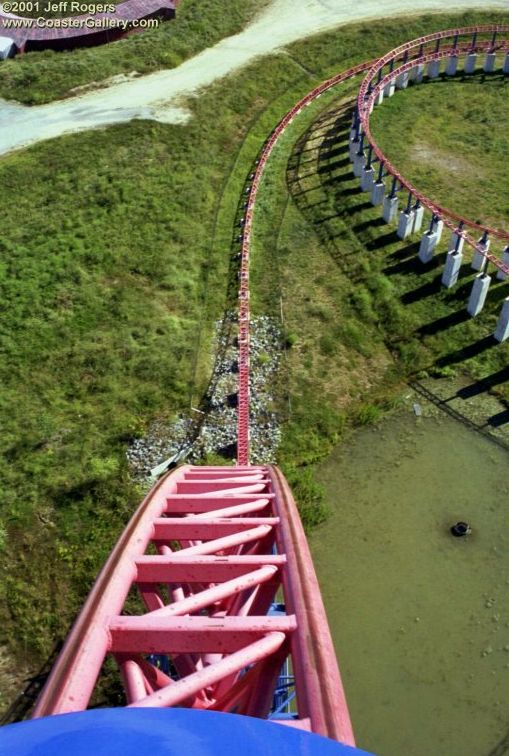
x=162 y=732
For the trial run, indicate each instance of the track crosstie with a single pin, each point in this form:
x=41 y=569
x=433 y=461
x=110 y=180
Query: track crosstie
x=217 y=556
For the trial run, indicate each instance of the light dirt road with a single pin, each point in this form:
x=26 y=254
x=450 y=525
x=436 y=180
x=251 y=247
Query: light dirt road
x=154 y=96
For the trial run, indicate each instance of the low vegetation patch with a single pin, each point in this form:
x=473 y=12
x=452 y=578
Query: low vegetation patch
x=40 y=77
x=446 y=138
x=114 y=264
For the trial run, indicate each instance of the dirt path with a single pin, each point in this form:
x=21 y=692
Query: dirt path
x=153 y=96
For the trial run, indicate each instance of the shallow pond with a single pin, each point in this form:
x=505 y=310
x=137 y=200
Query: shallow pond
x=420 y=619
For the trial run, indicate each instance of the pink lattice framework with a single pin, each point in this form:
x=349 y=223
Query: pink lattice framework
x=208 y=552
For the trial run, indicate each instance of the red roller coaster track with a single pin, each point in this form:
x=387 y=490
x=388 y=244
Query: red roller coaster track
x=183 y=602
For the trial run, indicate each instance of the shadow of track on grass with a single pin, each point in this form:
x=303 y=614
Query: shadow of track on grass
x=369 y=252
x=483 y=385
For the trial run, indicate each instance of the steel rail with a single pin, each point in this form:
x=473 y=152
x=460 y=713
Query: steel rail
x=369 y=91
x=452 y=220
x=243 y=444
x=106 y=597
x=228 y=540
x=373 y=67
x=212 y=620
x=434 y=37
x=320 y=692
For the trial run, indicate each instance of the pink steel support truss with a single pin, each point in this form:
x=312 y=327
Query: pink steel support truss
x=210 y=548
x=207 y=552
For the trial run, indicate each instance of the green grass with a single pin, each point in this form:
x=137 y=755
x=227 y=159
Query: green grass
x=453 y=147
x=350 y=289
x=113 y=273
x=115 y=261
x=44 y=76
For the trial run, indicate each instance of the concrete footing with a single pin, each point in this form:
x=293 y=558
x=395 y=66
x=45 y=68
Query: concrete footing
x=358 y=164
x=428 y=244
x=402 y=80
x=353 y=133
x=470 y=63
x=478 y=294
x=367 y=179
x=433 y=69
x=452 y=65
x=502 y=329
x=438 y=229
x=505 y=67
x=478 y=259
x=456 y=242
x=489 y=62
x=390 y=208
x=377 y=193
x=390 y=88
x=405 y=224
x=353 y=148
x=380 y=97
x=418 y=218
x=452 y=268
x=416 y=73
x=501 y=276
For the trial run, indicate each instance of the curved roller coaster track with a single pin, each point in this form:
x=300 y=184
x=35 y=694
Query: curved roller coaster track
x=210 y=592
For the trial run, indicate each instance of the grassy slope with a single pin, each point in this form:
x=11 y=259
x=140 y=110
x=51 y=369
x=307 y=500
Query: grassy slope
x=452 y=146
x=343 y=305
x=110 y=275
x=44 y=76
x=112 y=265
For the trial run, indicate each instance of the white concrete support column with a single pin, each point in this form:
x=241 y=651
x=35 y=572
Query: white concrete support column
x=489 y=62
x=506 y=64
x=433 y=69
x=380 y=97
x=377 y=193
x=367 y=179
x=470 y=63
x=353 y=133
x=452 y=268
x=456 y=242
x=390 y=208
x=359 y=163
x=438 y=228
x=390 y=88
x=452 y=65
x=353 y=148
x=417 y=73
x=418 y=218
x=428 y=244
x=478 y=294
x=502 y=329
x=405 y=224
x=478 y=259
x=501 y=276
x=402 y=80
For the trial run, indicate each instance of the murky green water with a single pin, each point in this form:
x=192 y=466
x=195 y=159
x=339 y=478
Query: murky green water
x=420 y=619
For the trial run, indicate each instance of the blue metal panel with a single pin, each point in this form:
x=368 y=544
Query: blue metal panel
x=162 y=732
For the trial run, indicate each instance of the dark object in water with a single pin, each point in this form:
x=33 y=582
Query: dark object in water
x=461 y=529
